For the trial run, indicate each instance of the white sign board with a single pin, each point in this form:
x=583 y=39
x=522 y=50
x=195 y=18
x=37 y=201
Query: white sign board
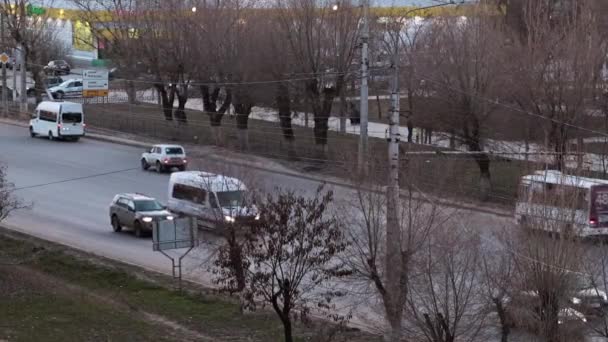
x=174 y=234
x=94 y=85
x=99 y=75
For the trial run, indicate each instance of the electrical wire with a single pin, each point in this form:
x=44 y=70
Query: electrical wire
x=73 y=179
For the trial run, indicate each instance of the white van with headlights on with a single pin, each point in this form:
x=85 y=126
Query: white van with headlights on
x=215 y=200
x=58 y=120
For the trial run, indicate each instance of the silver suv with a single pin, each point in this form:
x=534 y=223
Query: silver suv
x=136 y=211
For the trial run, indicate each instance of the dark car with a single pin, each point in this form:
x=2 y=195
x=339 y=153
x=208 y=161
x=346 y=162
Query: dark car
x=136 y=211
x=49 y=82
x=58 y=67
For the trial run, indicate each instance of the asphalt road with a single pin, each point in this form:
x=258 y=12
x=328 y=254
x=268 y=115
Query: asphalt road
x=76 y=212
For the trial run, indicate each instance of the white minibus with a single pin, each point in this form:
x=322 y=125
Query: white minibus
x=215 y=200
x=553 y=201
x=58 y=120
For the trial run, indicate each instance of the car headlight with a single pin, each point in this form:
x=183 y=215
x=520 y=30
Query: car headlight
x=170 y=218
x=229 y=218
x=147 y=219
x=257 y=217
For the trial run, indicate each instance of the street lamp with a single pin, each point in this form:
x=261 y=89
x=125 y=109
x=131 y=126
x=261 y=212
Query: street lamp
x=193 y=9
x=335 y=7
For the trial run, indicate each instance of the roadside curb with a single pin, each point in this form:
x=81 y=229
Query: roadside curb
x=320 y=180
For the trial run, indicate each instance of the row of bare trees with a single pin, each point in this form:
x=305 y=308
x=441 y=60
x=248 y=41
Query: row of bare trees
x=469 y=77
x=460 y=277
x=234 y=54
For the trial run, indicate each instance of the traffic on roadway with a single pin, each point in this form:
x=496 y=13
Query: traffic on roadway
x=72 y=185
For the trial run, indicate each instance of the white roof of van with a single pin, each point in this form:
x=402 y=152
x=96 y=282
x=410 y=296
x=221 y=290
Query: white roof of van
x=56 y=106
x=206 y=180
x=557 y=177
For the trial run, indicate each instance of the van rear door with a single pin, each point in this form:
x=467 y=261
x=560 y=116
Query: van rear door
x=598 y=210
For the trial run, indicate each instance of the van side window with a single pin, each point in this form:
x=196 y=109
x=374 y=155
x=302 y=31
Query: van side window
x=189 y=193
x=45 y=115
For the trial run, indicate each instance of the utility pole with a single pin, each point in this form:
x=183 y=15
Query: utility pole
x=23 y=96
x=4 y=89
x=15 y=54
x=394 y=253
x=394 y=259
x=364 y=96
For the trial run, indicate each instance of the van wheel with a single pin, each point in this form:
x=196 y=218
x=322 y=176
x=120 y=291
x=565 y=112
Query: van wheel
x=51 y=137
x=159 y=167
x=116 y=224
x=32 y=134
x=144 y=164
x=138 y=230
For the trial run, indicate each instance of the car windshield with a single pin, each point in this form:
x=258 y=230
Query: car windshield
x=60 y=63
x=147 y=205
x=231 y=198
x=66 y=83
x=174 y=150
x=71 y=118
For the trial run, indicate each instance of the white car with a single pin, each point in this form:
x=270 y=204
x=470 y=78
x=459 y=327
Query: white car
x=164 y=158
x=68 y=88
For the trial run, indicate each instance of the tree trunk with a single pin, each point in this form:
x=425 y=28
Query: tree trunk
x=209 y=100
x=287 y=330
x=180 y=111
x=471 y=135
x=236 y=259
x=166 y=101
x=131 y=93
x=580 y=150
x=343 y=105
x=321 y=107
x=242 y=109
x=505 y=328
x=410 y=130
x=215 y=115
x=284 y=105
x=549 y=316
x=485 y=185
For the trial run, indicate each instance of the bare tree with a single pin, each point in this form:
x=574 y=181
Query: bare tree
x=446 y=302
x=463 y=70
x=497 y=266
x=555 y=65
x=548 y=258
x=117 y=39
x=8 y=202
x=322 y=44
x=221 y=52
x=290 y=253
x=367 y=256
x=34 y=34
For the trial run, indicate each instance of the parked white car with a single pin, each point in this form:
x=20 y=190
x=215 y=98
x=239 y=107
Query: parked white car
x=66 y=89
x=164 y=158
